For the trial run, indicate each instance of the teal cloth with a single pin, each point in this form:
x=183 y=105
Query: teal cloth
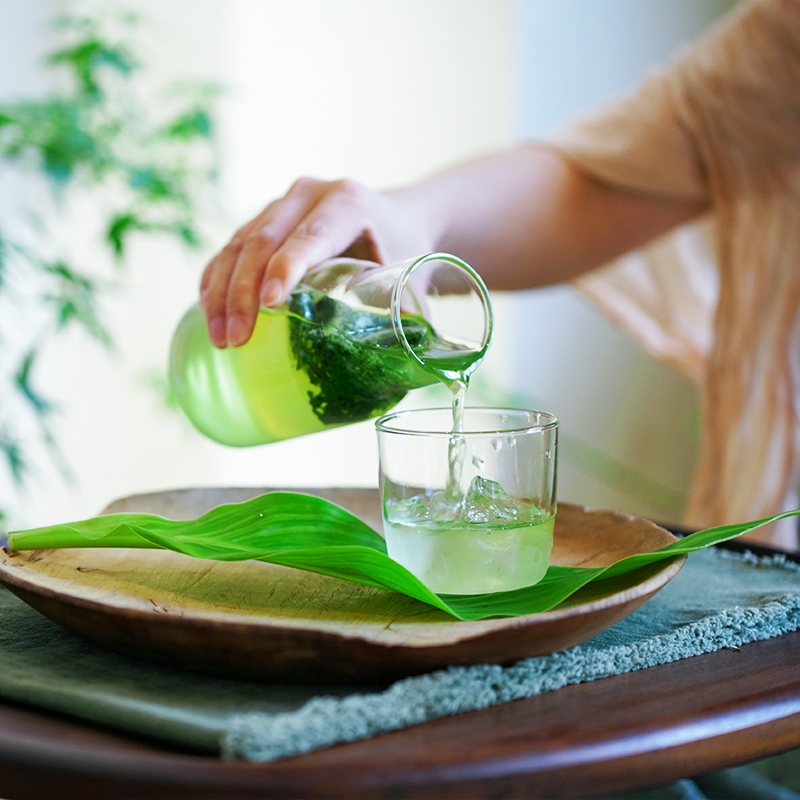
x=719 y=599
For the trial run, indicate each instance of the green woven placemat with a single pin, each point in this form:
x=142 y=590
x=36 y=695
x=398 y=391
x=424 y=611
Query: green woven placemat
x=719 y=599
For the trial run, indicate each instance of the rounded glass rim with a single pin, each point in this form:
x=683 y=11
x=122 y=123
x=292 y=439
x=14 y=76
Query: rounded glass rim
x=482 y=291
x=385 y=424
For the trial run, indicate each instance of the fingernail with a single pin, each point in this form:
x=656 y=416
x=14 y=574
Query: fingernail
x=236 y=330
x=203 y=296
x=216 y=331
x=272 y=293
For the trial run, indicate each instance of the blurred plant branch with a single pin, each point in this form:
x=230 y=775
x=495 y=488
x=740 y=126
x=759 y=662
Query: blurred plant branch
x=95 y=138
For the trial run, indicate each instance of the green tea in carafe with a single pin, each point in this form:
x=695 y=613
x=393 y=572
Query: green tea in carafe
x=331 y=355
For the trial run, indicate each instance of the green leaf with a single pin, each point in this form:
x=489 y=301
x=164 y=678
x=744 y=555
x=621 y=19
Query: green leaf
x=87 y=57
x=188 y=234
x=74 y=301
x=15 y=460
x=87 y=133
x=57 y=131
x=63 y=271
x=195 y=123
x=309 y=533
x=22 y=379
x=118 y=228
x=149 y=182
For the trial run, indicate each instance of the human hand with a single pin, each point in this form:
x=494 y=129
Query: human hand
x=315 y=220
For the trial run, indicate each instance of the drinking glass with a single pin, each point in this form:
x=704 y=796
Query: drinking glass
x=473 y=510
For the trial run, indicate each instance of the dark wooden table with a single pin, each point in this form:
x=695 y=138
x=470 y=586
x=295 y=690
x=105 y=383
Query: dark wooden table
x=630 y=731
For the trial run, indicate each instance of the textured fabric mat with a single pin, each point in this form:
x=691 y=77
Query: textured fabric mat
x=719 y=599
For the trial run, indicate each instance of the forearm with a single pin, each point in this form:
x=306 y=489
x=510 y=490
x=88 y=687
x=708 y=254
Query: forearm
x=528 y=217
x=522 y=218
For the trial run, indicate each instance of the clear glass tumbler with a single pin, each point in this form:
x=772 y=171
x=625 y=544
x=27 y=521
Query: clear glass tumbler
x=472 y=511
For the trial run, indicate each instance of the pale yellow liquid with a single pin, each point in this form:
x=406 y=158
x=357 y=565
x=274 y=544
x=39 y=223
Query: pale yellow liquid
x=242 y=396
x=461 y=557
x=295 y=376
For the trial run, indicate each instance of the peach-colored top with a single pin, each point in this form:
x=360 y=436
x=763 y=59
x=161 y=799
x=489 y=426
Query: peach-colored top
x=722 y=123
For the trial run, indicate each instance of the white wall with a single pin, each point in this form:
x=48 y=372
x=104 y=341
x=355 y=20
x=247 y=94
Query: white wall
x=383 y=91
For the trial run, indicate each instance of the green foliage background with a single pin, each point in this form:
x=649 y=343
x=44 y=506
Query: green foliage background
x=142 y=161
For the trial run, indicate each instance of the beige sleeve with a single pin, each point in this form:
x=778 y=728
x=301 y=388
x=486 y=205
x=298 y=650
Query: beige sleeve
x=723 y=124
x=664 y=295
x=638 y=142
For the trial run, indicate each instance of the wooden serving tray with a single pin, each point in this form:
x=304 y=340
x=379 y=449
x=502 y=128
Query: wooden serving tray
x=255 y=620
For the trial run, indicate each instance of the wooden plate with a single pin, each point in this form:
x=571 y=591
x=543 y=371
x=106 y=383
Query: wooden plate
x=256 y=620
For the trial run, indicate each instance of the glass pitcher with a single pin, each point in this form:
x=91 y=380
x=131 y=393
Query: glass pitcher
x=349 y=343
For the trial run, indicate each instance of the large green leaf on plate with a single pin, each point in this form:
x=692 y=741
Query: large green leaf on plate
x=309 y=533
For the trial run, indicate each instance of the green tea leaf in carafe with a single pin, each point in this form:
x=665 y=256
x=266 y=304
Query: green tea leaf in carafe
x=351 y=357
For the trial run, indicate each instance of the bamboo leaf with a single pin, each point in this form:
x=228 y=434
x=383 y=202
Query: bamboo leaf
x=309 y=533
x=118 y=228
x=188 y=234
x=195 y=123
x=149 y=182
x=89 y=131
x=14 y=457
x=22 y=379
x=87 y=57
x=74 y=301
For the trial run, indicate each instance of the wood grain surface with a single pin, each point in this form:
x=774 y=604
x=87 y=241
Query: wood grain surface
x=257 y=620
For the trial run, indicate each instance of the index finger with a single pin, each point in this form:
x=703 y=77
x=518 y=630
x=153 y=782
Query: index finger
x=265 y=236
x=334 y=224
